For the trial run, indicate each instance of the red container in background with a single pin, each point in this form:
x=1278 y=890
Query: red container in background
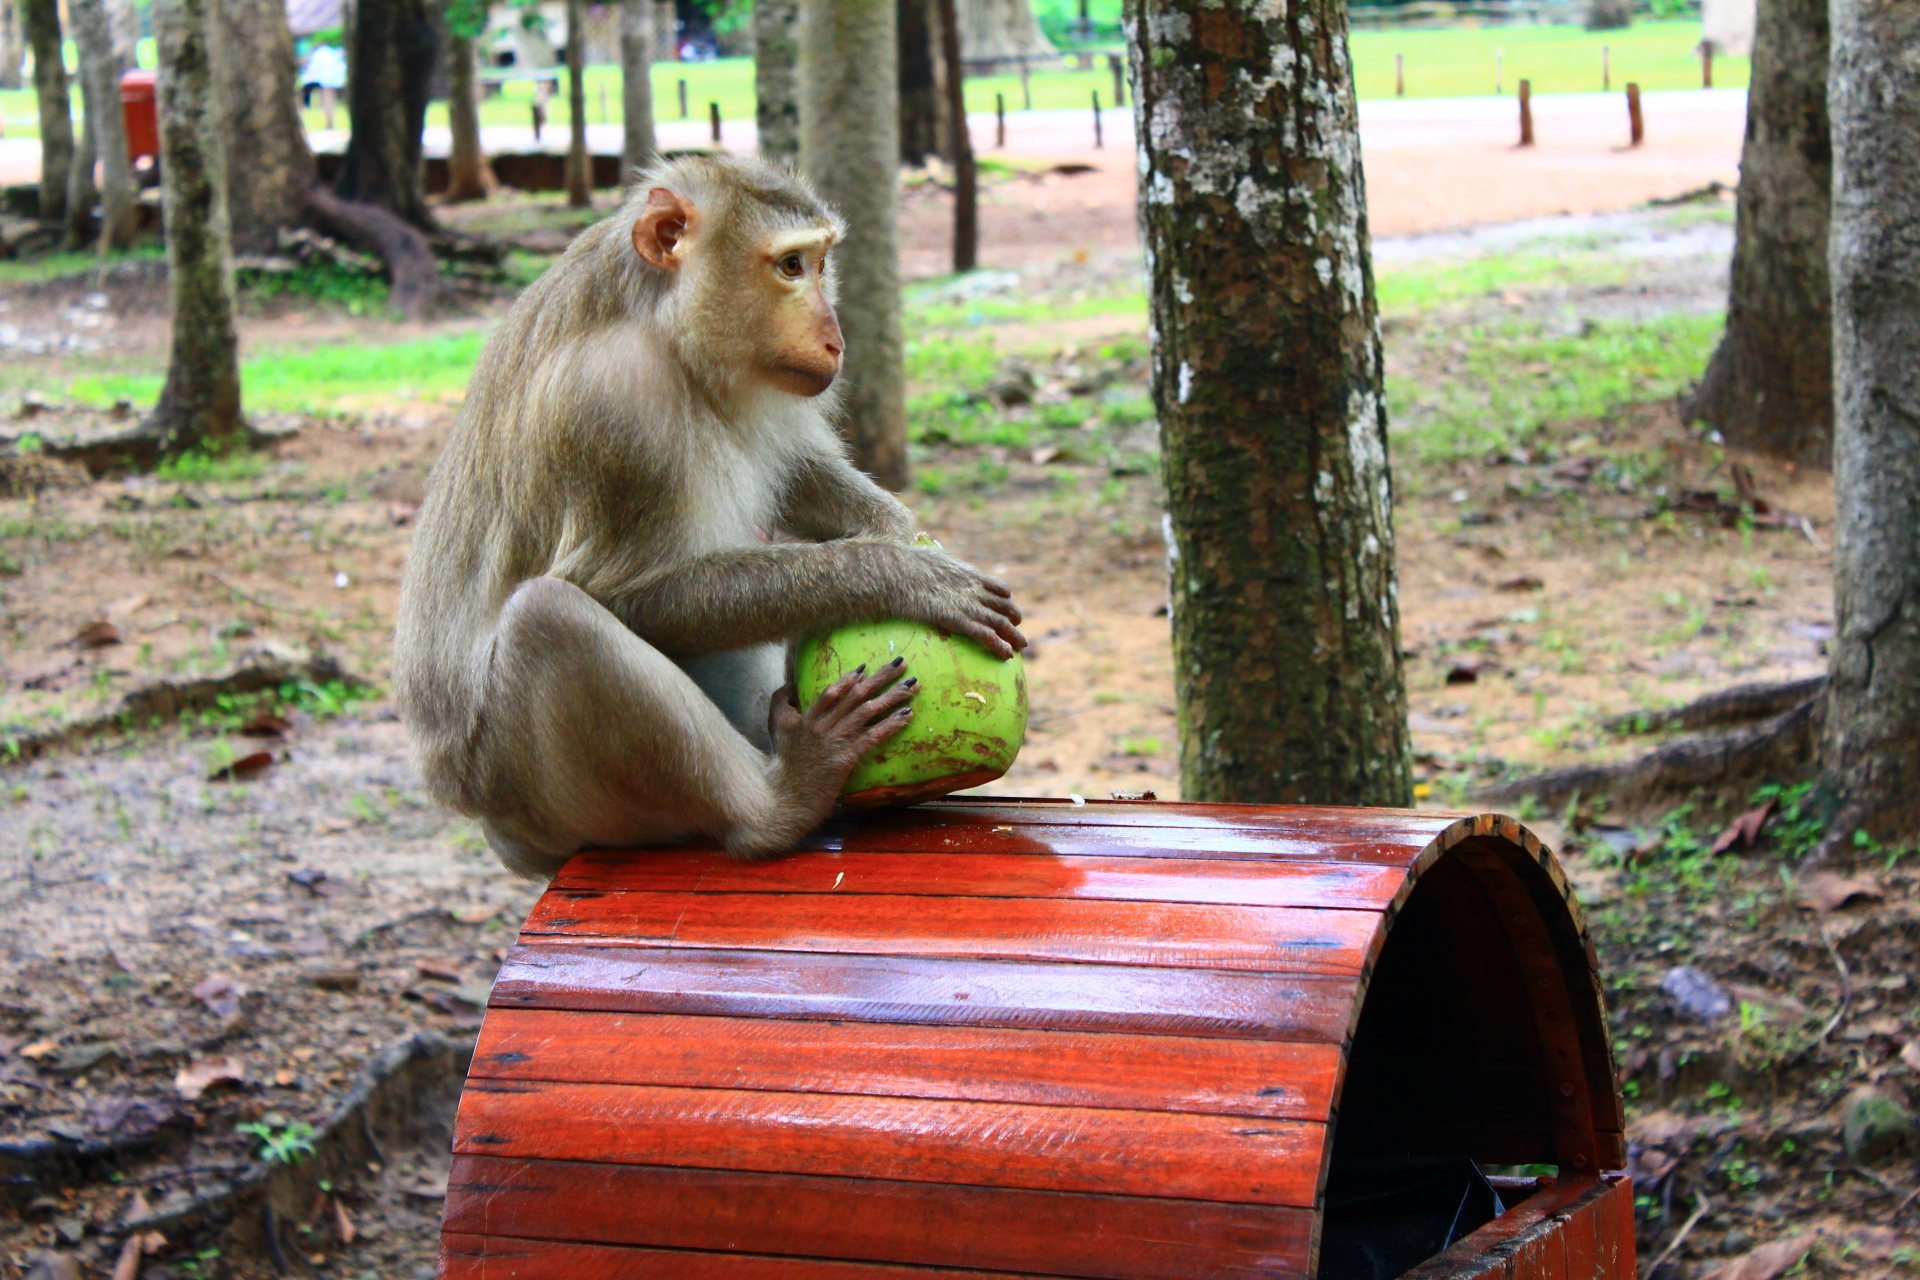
x=141 y=112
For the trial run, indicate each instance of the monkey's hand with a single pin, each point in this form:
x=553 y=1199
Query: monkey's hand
x=816 y=748
x=956 y=597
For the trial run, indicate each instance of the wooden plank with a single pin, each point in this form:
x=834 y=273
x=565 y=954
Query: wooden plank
x=1352 y=885
x=1617 y=1243
x=1580 y=1242
x=1301 y=821
x=1075 y=839
x=473 y=1257
x=1268 y=1078
x=1173 y=935
x=1505 y=1246
x=915 y=1223
x=1064 y=997
x=987 y=1144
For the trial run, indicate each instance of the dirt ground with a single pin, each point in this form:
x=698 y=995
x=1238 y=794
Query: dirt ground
x=200 y=938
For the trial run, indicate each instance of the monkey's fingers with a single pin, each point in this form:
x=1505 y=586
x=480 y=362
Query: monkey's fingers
x=885 y=727
x=1003 y=606
x=882 y=705
x=996 y=586
x=854 y=690
x=831 y=696
x=987 y=636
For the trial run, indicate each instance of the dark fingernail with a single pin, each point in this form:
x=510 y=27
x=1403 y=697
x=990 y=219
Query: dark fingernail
x=897 y=661
x=909 y=682
x=860 y=670
x=906 y=713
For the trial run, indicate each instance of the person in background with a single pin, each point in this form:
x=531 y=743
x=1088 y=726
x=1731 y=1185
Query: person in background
x=326 y=70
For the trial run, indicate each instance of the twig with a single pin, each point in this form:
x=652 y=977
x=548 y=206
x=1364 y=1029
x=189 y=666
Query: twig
x=1846 y=987
x=1886 y=1188
x=1700 y=1207
x=251 y=599
x=1902 y=1206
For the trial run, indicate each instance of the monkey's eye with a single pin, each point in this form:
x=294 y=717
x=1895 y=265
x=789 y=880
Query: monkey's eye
x=793 y=266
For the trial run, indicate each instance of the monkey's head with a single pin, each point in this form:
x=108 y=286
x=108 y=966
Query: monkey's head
x=744 y=249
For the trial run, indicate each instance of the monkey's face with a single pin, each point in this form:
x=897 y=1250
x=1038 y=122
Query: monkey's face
x=801 y=349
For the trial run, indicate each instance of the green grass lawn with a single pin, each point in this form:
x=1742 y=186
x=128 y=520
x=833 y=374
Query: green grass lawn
x=1444 y=63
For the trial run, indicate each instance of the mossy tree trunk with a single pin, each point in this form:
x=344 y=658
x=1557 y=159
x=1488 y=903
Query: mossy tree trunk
x=776 y=57
x=55 y=100
x=1870 y=750
x=640 y=145
x=1769 y=385
x=1267 y=381
x=850 y=149
x=201 y=399
x=100 y=89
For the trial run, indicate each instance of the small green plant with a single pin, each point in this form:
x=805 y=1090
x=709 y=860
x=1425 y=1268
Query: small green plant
x=1140 y=746
x=282 y=1144
x=211 y=463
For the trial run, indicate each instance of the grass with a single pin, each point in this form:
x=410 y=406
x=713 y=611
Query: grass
x=1440 y=63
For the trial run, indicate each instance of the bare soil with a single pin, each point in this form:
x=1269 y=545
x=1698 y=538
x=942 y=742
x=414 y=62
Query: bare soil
x=297 y=919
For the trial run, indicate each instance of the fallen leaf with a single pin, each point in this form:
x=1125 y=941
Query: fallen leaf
x=96 y=635
x=1524 y=582
x=267 y=725
x=245 y=767
x=1044 y=454
x=1824 y=891
x=426 y=1191
x=1744 y=829
x=1766 y=1262
x=1911 y=1055
x=475 y=913
x=39 y=1049
x=441 y=972
x=220 y=994
x=196 y=1078
x=284 y=1078
x=1875 y=1244
x=342 y=1223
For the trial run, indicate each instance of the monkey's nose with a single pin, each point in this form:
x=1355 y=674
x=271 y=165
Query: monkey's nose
x=835 y=349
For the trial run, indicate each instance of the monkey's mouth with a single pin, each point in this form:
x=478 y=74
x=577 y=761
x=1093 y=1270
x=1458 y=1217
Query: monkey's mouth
x=803 y=382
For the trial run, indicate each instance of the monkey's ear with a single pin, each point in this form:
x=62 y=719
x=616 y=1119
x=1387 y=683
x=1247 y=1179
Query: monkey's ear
x=661 y=226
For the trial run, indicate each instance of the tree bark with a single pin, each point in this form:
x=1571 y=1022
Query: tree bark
x=82 y=194
x=1869 y=748
x=12 y=49
x=123 y=22
x=393 y=52
x=100 y=91
x=254 y=64
x=1769 y=386
x=919 y=103
x=467 y=177
x=1267 y=380
x=42 y=21
x=966 y=185
x=579 y=164
x=201 y=400
x=776 y=56
x=640 y=147
x=850 y=149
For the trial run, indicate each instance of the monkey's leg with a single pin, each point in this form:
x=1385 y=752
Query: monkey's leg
x=593 y=737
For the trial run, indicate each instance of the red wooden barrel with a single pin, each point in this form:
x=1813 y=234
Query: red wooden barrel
x=1037 y=1038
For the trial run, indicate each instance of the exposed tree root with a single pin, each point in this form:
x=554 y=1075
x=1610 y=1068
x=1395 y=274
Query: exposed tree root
x=1722 y=768
x=412 y=270
x=1742 y=704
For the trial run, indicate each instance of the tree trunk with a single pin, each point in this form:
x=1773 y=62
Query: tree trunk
x=1769 y=386
x=393 y=52
x=254 y=64
x=1267 y=380
x=100 y=91
x=42 y=21
x=201 y=399
x=666 y=32
x=579 y=163
x=850 y=149
x=467 y=177
x=776 y=56
x=123 y=21
x=640 y=148
x=82 y=194
x=12 y=50
x=919 y=104
x=966 y=186
x=1869 y=749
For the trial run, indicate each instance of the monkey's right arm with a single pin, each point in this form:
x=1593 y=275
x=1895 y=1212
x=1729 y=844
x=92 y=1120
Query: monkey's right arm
x=756 y=595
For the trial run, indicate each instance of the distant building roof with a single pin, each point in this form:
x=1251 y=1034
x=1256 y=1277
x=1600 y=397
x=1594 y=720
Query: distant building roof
x=309 y=16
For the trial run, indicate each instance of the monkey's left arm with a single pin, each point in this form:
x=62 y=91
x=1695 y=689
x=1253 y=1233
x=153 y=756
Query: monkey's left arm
x=829 y=499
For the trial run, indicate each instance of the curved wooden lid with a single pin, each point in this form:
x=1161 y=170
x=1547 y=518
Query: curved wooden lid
x=1111 y=1039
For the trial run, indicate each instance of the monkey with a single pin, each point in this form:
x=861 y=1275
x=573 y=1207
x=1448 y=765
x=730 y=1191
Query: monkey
x=642 y=503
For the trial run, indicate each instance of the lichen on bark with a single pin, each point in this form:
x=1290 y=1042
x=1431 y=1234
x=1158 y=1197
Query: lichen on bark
x=1267 y=382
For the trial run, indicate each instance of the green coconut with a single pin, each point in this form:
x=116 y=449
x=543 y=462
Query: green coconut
x=969 y=714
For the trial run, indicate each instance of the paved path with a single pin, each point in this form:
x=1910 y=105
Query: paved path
x=1432 y=164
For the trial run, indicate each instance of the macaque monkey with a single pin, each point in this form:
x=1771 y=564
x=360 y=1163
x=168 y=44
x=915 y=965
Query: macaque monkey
x=642 y=503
